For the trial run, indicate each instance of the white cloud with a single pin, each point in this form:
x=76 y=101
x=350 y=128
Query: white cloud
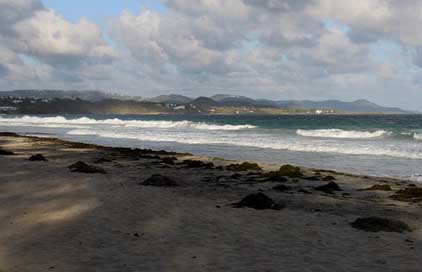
x=274 y=48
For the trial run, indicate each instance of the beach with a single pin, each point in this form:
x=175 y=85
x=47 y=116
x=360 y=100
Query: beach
x=116 y=218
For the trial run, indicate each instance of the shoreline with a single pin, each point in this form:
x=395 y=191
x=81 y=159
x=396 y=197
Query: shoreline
x=117 y=217
x=223 y=161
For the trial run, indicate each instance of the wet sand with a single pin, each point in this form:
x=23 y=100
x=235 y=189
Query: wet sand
x=52 y=219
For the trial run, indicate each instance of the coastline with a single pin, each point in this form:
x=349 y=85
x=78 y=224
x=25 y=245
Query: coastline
x=55 y=219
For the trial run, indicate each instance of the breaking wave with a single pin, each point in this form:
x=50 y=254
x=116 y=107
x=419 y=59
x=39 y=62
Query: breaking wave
x=417 y=136
x=60 y=121
x=250 y=141
x=339 y=133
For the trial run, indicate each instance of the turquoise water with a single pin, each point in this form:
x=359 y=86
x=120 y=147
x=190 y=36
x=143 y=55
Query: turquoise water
x=382 y=145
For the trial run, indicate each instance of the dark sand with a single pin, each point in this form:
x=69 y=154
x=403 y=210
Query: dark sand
x=52 y=219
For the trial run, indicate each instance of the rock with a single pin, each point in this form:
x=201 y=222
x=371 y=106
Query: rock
x=379 y=187
x=221 y=168
x=290 y=171
x=197 y=164
x=8 y=134
x=278 y=206
x=159 y=181
x=412 y=194
x=275 y=177
x=102 y=160
x=376 y=224
x=82 y=167
x=282 y=188
x=245 y=166
x=329 y=188
x=146 y=156
x=169 y=160
x=141 y=153
x=312 y=178
x=236 y=176
x=328 y=178
x=6 y=152
x=258 y=201
x=37 y=157
x=304 y=191
x=285 y=171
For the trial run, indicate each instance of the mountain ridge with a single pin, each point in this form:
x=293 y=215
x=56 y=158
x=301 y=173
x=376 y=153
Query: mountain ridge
x=218 y=100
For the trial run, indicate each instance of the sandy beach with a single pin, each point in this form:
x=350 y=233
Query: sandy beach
x=58 y=219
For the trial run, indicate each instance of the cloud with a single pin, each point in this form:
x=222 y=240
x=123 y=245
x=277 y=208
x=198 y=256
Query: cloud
x=269 y=48
x=49 y=37
x=34 y=39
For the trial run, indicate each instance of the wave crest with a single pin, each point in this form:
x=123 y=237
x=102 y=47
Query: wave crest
x=248 y=141
x=60 y=121
x=344 y=134
x=417 y=136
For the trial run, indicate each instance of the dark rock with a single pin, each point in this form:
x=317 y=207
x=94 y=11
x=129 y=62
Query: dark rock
x=245 y=166
x=82 y=167
x=312 y=178
x=329 y=188
x=221 y=168
x=290 y=171
x=258 y=201
x=6 y=152
x=376 y=224
x=379 y=187
x=169 y=160
x=146 y=156
x=197 y=164
x=274 y=177
x=236 y=176
x=285 y=171
x=159 y=181
x=304 y=191
x=37 y=157
x=278 y=206
x=328 y=178
x=282 y=188
x=102 y=160
x=8 y=134
x=138 y=153
x=412 y=194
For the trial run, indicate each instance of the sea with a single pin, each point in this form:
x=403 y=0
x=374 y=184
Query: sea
x=376 y=145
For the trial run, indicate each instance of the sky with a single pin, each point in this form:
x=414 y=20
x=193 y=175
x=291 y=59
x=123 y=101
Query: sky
x=276 y=49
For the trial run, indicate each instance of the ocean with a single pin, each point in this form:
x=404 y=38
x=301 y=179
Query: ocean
x=378 y=145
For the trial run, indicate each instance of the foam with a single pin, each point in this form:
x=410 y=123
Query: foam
x=417 y=136
x=339 y=133
x=416 y=178
x=265 y=141
x=60 y=121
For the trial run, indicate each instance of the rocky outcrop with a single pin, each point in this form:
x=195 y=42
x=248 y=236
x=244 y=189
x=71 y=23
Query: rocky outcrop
x=376 y=224
x=82 y=167
x=329 y=188
x=245 y=166
x=159 y=181
x=259 y=201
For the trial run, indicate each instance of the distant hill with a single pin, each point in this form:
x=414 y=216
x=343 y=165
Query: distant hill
x=204 y=103
x=239 y=101
x=170 y=99
x=359 y=106
x=220 y=103
x=47 y=94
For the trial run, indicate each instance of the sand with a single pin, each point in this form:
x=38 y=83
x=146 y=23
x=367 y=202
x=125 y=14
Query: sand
x=52 y=219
